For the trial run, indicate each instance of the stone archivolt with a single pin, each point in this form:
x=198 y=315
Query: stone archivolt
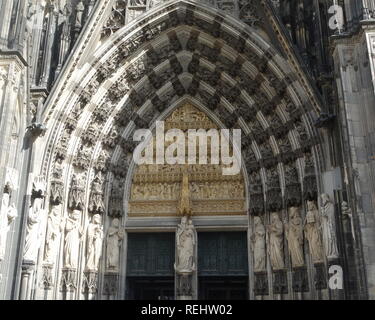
x=189 y=53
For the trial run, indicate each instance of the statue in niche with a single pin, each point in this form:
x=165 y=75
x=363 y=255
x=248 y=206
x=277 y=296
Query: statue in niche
x=186 y=241
x=54 y=228
x=94 y=243
x=275 y=242
x=115 y=235
x=184 y=207
x=36 y=213
x=259 y=245
x=79 y=9
x=57 y=184
x=73 y=234
x=96 y=204
x=312 y=232
x=329 y=228
x=7 y=215
x=294 y=235
x=77 y=192
x=347 y=213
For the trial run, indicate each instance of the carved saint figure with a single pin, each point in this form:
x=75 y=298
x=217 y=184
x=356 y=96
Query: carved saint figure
x=259 y=245
x=73 y=234
x=294 y=234
x=54 y=228
x=185 y=238
x=347 y=213
x=115 y=235
x=312 y=232
x=35 y=215
x=275 y=242
x=329 y=228
x=79 y=9
x=94 y=243
x=7 y=215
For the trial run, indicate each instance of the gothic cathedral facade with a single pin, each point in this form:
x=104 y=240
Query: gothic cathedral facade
x=81 y=219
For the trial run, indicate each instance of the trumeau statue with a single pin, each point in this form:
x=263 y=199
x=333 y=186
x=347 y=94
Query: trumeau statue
x=329 y=228
x=275 y=242
x=54 y=229
x=186 y=241
x=7 y=215
x=294 y=234
x=259 y=245
x=115 y=235
x=73 y=234
x=94 y=243
x=312 y=232
x=36 y=213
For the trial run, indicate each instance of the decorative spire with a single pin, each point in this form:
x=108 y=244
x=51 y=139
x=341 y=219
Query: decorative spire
x=184 y=207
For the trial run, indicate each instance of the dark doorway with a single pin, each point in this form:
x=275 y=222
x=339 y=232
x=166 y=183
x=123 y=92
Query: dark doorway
x=150 y=271
x=229 y=288
x=223 y=266
x=151 y=288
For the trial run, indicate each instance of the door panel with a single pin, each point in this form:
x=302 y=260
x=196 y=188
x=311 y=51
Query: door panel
x=222 y=254
x=223 y=288
x=151 y=254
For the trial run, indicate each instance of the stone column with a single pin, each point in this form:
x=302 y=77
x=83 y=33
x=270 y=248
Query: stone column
x=26 y=280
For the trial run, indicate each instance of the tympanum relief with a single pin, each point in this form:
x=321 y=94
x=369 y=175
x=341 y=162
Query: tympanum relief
x=156 y=188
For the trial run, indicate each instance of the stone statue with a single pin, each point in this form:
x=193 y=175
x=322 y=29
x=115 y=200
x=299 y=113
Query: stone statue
x=94 y=243
x=76 y=195
x=186 y=241
x=32 y=231
x=36 y=213
x=184 y=207
x=294 y=234
x=275 y=242
x=259 y=245
x=54 y=228
x=115 y=235
x=312 y=232
x=329 y=228
x=79 y=9
x=347 y=213
x=96 y=204
x=73 y=234
x=7 y=215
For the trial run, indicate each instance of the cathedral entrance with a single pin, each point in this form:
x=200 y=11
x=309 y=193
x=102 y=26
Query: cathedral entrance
x=223 y=266
x=150 y=272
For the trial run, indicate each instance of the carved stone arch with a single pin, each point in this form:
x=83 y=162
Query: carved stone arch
x=265 y=85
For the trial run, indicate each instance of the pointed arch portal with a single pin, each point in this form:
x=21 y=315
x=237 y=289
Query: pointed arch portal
x=179 y=57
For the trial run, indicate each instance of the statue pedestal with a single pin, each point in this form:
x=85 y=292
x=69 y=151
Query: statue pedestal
x=184 y=286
